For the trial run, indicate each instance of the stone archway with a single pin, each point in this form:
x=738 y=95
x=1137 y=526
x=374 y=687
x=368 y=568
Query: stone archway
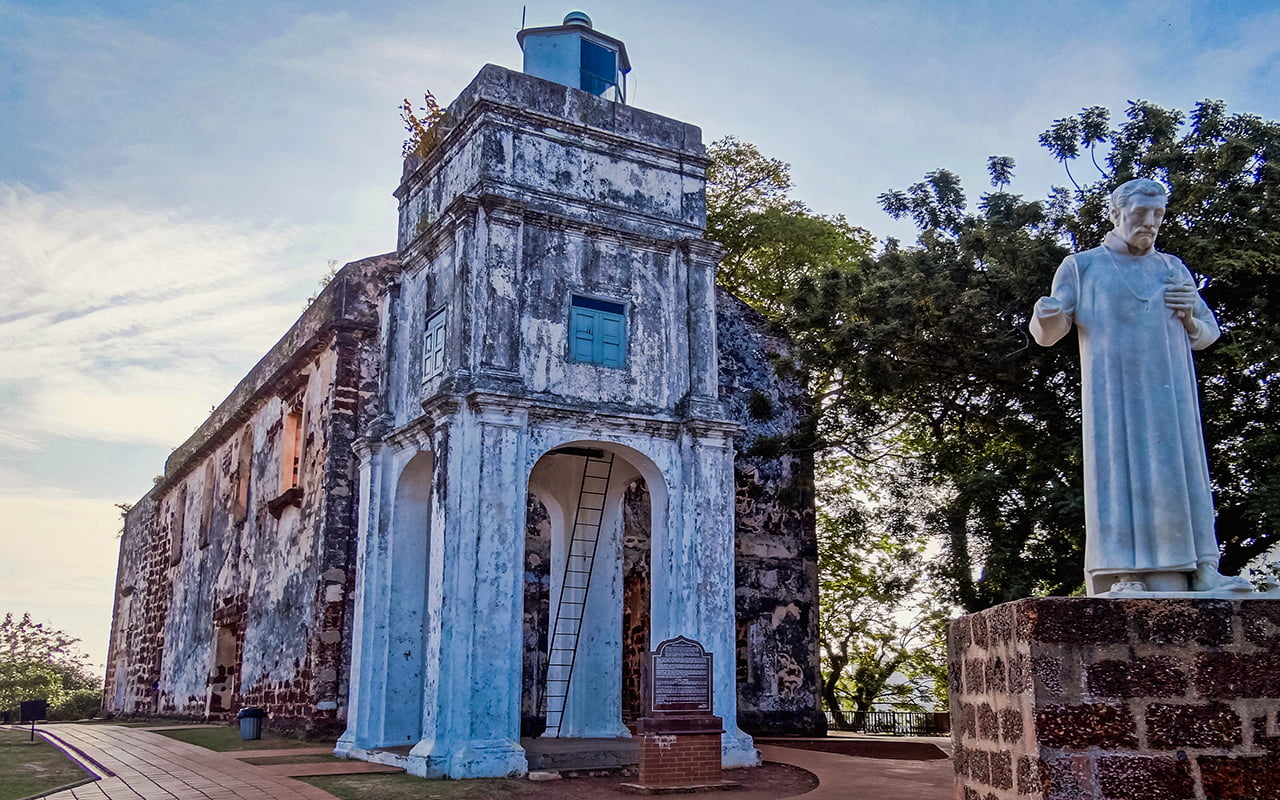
x=408 y=545
x=614 y=625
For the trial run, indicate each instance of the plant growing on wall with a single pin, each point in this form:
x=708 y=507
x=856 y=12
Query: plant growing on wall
x=426 y=125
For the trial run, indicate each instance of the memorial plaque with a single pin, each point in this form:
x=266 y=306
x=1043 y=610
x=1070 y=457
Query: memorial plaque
x=678 y=678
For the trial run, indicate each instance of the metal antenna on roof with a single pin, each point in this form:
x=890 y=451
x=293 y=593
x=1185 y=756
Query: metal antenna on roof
x=523 y=9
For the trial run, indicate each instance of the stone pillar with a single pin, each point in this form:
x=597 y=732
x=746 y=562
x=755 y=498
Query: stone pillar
x=700 y=258
x=494 y=329
x=472 y=729
x=366 y=706
x=1108 y=699
x=693 y=579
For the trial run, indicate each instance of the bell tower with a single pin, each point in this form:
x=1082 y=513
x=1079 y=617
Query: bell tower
x=549 y=341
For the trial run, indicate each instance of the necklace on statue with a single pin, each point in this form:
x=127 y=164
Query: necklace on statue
x=1120 y=273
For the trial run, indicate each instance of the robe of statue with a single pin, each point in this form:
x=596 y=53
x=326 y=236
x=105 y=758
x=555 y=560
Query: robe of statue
x=1148 y=507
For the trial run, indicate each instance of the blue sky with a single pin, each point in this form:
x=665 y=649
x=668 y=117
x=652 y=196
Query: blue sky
x=174 y=177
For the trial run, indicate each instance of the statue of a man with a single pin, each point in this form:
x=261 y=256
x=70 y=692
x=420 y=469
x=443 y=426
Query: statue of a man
x=1148 y=507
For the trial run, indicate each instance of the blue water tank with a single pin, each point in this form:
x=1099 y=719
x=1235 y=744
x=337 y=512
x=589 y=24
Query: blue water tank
x=575 y=54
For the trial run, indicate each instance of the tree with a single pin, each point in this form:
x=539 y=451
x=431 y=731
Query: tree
x=27 y=680
x=880 y=631
x=878 y=636
x=771 y=240
x=38 y=662
x=921 y=355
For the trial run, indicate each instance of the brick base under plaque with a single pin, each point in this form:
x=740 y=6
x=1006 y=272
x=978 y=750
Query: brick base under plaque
x=679 y=754
x=1105 y=699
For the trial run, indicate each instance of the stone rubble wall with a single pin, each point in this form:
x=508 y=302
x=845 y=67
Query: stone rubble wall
x=776 y=546
x=275 y=575
x=1103 y=699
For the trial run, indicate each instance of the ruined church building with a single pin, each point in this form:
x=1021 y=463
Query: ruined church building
x=481 y=475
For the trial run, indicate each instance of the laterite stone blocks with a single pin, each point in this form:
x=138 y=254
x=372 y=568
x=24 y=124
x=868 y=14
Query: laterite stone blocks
x=1105 y=699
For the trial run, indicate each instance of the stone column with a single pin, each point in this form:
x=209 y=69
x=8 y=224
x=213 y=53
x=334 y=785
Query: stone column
x=699 y=260
x=693 y=578
x=366 y=706
x=495 y=327
x=594 y=705
x=1102 y=699
x=475 y=724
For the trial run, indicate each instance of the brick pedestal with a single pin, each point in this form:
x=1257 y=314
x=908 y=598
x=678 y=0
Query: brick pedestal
x=1103 y=699
x=679 y=754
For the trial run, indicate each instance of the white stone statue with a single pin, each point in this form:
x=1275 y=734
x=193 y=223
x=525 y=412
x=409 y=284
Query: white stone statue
x=1148 y=507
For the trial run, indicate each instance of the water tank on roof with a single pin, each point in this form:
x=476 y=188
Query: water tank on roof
x=575 y=54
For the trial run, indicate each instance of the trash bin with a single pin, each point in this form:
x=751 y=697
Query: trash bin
x=251 y=722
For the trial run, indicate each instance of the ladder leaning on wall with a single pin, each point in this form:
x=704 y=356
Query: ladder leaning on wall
x=579 y=559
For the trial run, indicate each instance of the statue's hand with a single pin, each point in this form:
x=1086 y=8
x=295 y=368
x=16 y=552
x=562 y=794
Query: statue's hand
x=1181 y=299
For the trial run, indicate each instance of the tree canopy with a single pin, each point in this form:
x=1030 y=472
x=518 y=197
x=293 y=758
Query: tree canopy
x=38 y=662
x=771 y=240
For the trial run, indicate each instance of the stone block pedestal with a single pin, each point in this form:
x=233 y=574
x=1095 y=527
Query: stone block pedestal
x=1117 y=699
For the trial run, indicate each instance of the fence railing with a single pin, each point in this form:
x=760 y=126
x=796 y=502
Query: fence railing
x=897 y=723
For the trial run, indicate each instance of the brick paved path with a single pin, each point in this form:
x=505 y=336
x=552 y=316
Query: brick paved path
x=140 y=765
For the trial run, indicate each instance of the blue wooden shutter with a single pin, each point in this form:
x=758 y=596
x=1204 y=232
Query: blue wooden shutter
x=612 y=335
x=583 y=334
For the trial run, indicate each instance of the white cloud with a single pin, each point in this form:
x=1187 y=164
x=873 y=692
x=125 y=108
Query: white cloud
x=130 y=323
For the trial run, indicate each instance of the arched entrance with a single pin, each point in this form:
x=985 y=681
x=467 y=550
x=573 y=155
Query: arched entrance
x=408 y=545
x=589 y=524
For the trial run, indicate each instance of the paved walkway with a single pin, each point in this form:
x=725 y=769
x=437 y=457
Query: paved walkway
x=845 y=777
x=137 y=764
x=141 y=765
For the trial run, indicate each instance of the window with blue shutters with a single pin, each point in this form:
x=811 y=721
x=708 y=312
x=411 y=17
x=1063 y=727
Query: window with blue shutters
x=597 y=332
x=433 y=347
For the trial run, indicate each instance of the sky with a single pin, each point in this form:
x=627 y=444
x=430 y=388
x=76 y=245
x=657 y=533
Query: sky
x=176 y=176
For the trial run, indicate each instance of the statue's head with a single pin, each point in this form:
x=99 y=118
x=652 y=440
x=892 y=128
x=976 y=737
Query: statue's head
x=1137 y=209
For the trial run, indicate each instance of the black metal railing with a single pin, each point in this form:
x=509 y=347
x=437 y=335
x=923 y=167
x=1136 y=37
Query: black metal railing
x=896 y=723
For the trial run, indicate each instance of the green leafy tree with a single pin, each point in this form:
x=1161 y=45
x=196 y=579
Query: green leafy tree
x=771 y=240
x=880 y=630
x=27 y=680
x=879 y=634
x=921 y=355
x=38 y=662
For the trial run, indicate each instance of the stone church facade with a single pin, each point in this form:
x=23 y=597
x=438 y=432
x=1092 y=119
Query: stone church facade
x=481 y=475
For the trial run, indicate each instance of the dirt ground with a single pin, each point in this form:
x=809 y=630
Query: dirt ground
x=768 y=782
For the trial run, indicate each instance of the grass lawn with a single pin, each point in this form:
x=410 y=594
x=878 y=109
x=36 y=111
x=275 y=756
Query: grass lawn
x=409 y=787
x=227 y=738
x=28 y=767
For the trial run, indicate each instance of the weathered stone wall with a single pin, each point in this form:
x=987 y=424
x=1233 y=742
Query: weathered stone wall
x=511 y=214
x=537 y=617
x=231 y=596
x=1100 y=699
x=776 y=544
x=234 y=586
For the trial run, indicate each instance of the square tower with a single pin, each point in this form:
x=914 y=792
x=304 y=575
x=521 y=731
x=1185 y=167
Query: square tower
x=550 y=345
